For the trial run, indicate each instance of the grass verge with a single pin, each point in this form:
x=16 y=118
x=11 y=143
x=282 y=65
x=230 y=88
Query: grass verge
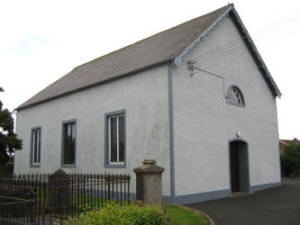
x=180 y=216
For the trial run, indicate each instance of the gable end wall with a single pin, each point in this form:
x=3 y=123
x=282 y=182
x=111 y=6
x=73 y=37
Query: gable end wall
x=204 y=123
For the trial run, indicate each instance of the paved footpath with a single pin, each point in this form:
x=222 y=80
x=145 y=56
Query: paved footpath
x=275 y=206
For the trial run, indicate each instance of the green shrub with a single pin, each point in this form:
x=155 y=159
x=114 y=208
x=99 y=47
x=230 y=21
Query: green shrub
x=8 y=168
x=114 y=214
x=290 y=159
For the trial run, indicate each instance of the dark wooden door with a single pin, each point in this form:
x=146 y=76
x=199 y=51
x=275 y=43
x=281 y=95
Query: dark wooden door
x=234 y=167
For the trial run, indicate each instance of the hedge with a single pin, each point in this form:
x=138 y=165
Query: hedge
x=115 y=214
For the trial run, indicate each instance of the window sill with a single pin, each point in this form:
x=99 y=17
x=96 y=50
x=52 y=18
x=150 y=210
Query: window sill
x=68 y=166
x=35 y=165
x=233 y=104
x=121 y=166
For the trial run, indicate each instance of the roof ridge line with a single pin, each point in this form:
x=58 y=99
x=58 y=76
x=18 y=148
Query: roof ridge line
x=163 y=31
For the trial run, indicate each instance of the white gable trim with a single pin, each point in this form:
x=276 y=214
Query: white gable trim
x=259 y=61
x=178 y=59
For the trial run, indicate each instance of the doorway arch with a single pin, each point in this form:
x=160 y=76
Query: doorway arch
x=238 y=166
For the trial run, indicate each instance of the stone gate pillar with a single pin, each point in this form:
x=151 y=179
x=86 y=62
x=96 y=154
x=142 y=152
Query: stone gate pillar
x=59 y=191
x=149 y=183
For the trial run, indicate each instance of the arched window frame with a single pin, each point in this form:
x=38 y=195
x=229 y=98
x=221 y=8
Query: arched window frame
x=238 y=94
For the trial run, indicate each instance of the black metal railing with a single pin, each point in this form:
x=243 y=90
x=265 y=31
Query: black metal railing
x=46 y=199
x=16 y=210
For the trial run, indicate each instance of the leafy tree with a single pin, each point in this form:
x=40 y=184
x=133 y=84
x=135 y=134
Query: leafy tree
x=290 y=159
x=8 y=139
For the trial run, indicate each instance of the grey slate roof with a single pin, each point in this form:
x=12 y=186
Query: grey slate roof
x=160 y=48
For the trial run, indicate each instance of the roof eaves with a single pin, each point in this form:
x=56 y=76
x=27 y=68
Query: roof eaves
x=24 y=106
x=178 y=59
x=283 y=142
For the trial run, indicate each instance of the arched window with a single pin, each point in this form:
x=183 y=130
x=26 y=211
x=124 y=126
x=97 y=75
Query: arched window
x=235 y=96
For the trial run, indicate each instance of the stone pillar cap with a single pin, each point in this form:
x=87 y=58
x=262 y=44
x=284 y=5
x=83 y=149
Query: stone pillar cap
x=59 y=173
x=149 y=166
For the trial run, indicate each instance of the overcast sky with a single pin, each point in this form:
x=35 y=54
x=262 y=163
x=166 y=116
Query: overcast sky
x=42 y=40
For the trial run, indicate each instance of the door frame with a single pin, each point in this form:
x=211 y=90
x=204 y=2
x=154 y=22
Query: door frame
x=245 y=186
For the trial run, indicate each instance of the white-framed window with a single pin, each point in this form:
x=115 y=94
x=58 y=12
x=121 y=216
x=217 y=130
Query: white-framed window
x=36 y=146
x=116 y=139
x=235 y=96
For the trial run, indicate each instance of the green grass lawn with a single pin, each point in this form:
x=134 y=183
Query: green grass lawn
x=181 y=216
